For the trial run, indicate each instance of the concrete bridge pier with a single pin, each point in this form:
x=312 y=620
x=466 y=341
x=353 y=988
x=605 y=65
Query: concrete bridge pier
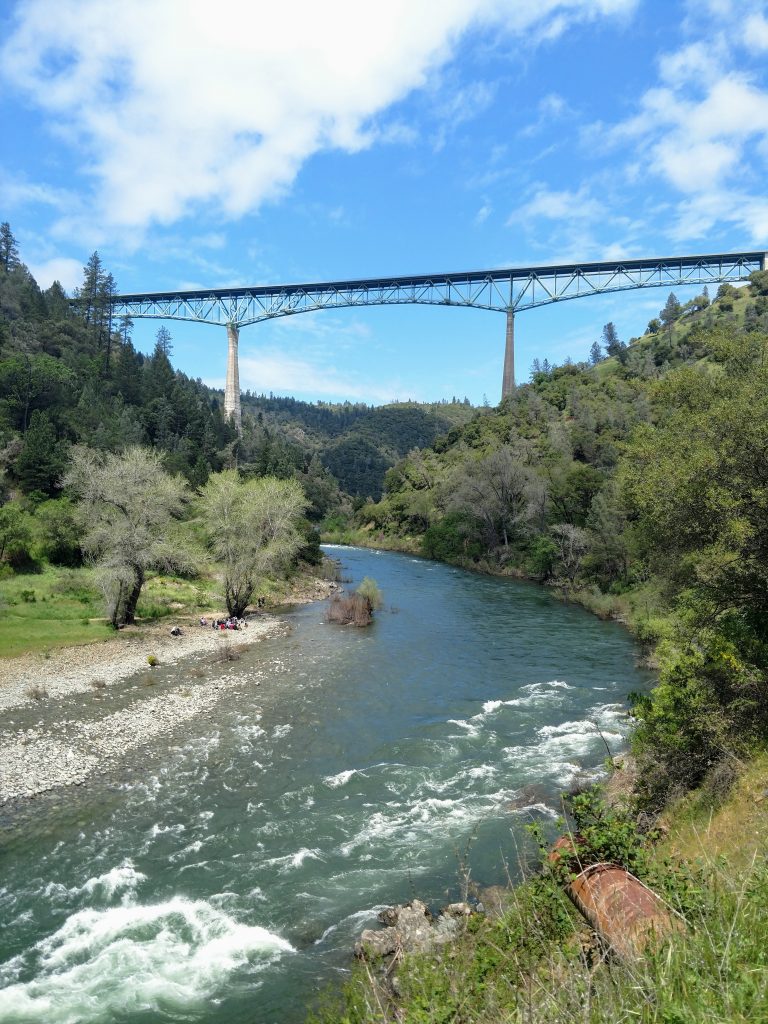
x=232 y=388
x=508 y=380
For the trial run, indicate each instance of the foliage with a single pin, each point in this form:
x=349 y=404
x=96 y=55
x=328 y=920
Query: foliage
x=371 y=592
x=253 y=529
x=127 y=507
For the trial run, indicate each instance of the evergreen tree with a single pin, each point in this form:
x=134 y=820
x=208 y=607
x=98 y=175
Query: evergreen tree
x=671 y=312
x=107 y=292
x=57 y=302
x=41 y=461
x=9 y=249
x=163 y=341
x=125 y=328
x=613 y=345
x=93 y=279
x=595 y=353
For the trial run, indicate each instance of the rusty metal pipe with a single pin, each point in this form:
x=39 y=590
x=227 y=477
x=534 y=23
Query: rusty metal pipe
x=621 y=909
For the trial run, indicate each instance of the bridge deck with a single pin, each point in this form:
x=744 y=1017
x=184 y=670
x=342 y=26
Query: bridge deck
x=672 y=264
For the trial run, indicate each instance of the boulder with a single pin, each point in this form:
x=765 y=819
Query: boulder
x=410 y=928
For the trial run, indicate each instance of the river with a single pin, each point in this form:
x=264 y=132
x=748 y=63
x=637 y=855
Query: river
x=226 y=880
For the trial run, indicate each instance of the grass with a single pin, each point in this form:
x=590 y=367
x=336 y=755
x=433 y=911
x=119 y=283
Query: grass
x=59 y=607
x=701 y=827
x=50 y=609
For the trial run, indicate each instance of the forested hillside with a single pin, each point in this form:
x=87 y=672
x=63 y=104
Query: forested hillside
x=70 y=374
x=357 y=443
x=637 y=483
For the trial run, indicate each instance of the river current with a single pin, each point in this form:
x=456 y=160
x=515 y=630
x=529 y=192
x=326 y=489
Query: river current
x=227 y=878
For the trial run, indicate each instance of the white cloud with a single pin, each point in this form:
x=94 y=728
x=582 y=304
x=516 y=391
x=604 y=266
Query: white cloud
x=564 y=205
x=68 y=272
x=483 y=213
x=176 y=104
x=273 y=370
x=756 y=32
x=703 y=129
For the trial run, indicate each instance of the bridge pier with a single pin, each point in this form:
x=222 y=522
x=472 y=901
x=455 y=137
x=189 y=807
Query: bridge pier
x=232 y=388
x=508 y=380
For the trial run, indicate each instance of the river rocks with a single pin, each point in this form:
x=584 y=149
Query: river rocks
x=411 y=928
x=66 y=750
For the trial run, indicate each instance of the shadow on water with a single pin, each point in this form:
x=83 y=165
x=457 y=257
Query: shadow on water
x=226 y=877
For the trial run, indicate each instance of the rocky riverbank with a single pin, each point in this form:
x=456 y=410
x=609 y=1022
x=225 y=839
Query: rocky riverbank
x=59 y=725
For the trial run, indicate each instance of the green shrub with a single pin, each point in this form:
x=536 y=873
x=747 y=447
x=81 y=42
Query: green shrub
x=369 y=589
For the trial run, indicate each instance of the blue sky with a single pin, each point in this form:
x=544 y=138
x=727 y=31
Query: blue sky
x=251 y=142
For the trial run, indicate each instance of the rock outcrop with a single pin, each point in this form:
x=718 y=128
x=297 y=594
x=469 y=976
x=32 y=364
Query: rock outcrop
x=411 y=928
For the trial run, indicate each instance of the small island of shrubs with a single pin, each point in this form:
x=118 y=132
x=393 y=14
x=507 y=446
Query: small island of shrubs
x=357 y=608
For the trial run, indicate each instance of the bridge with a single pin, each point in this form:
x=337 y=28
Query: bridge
x=505 y=290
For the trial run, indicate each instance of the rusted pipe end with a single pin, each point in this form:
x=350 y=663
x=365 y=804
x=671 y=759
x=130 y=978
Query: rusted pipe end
x=621 y=909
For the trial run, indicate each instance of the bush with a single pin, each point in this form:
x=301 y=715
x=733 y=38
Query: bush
x=448 y=540
x=57 y=534
x=348 y=610
x=369 y=589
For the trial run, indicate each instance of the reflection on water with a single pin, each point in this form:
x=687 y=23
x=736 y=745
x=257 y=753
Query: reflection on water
x=228 y=879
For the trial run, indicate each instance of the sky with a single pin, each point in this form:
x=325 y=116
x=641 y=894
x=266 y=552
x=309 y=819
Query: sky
x=245 y=142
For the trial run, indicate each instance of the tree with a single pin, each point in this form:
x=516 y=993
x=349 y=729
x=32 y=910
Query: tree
x=15 y=533
x=572 y=544
x=9 y=250
x=494 y=490
x=57 y=532
x=613 y=345
x=29 y=382
x=252 y=528
x=93 y=279
x=163 y=341
x=128 y=504
x=42 y=460
x=671 y=312
x=595 y=353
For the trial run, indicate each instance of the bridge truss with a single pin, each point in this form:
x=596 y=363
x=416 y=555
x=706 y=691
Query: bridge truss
x=505 y=290
x=501 y=290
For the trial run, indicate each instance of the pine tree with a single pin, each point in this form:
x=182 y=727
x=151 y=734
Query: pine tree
x=41 y=461
x=672 y=311
x=163 y=341
x=93 y=278
x=126 y=326
x=9 y=249
x=595 y=353
x=107 y=292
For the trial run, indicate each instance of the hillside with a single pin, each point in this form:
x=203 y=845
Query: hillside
x=357 y=443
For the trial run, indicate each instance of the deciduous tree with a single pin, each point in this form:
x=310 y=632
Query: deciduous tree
x=128 y=507
x=253 y=530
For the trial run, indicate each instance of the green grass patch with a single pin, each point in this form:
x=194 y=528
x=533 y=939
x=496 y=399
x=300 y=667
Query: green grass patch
x=50 y=609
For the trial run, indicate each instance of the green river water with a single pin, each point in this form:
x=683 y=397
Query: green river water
x=225 y=878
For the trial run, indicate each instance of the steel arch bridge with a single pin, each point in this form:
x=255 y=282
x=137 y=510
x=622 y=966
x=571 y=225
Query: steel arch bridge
x=504 y=290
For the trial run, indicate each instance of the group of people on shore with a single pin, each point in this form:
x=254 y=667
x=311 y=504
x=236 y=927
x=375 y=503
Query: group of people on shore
x=229 y=623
